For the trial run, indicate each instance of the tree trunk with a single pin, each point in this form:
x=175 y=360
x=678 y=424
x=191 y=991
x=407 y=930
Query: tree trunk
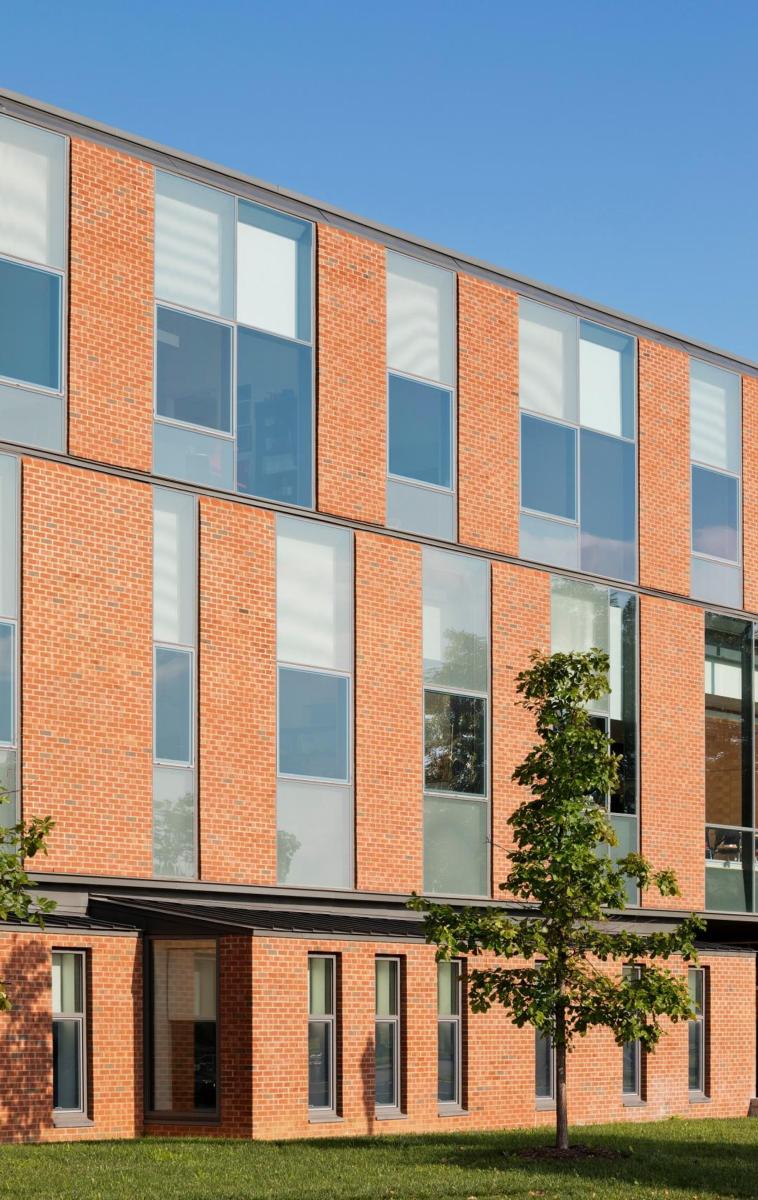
x=561 y=1106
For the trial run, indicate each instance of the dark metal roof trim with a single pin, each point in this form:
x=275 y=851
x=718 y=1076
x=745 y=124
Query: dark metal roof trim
x=63 y=121
x=74 y=923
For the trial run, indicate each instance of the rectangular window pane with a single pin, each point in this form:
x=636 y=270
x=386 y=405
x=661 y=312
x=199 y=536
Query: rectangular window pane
x=606 y=380
x=313 y=732
x=579 y=618
x=728 y=870
x=321 y=986
x=728 y=718
x=386 y=1033
x=454 y=743
x=313 y=594
x=543 y=1067
x=313 y=835
x=194 y=370
x=455 y=847
x=548 y=467
x=274 y=418
x=68 y=990
x=194 y=245
x=447 y=1062
x=420 y=510
x=8 y=535
x=448 y=989
x=716 y=582
x=33 y=171
x=174 y=823
x=8 y=794
x=547 y=360
x=456 y=620
x=174 y=567
x=715 y=514
x=7 y=689
x=67 y=1059
x=274 y=271
x=715 y=416
x=695 y=1080
x=695 y=989
x=608 y=506
x=420 y=420
x=30 y=325
x=319 y=1064
x=386 y=987
x=420 y=318
x=196 y=457
x=184 y=1008
x=545 y=541
x=173 y=705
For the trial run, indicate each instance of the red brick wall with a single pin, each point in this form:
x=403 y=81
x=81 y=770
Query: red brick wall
x=237 y=672
x=488 y=416
x=86 y=730
x=389 y=734
x=750 y=491
x=664 y=467
x=111 y=292
x=352 y=376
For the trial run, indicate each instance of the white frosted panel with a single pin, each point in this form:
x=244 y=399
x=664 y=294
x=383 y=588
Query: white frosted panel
x=174 y=567
x=456 y=620
x=420 y=510
x=715 y=416
x=8 y=536
x=31 y=418
x=547 y=360
x=615 y=675
x=313 y=594
x=420 y=318
x=174 y=822
x=194 y=245
x=266 y=280
x=716 y=582
x=579 y=616
x=197 y=457
x=314 y=823
x=32 y=189
x=600 y=387
x=546 y=541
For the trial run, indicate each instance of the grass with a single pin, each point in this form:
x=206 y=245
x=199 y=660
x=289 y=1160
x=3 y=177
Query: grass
x=674 y=1159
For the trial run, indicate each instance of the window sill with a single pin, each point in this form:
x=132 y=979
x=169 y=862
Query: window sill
x=390 y=1114
x=71 y=1120
x=699 y=1098
x=323 y=1118
x=157 y=1118
x=452 y=1110
x=544 y=1104
x=634 y=1102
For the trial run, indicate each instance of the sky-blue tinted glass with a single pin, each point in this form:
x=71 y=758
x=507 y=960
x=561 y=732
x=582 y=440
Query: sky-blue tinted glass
x=419 y=431
x=548 y=467
x=194 y=370
x=715 y=514
x=173 y=705
x=274 y=418
x=30 y=303
x=608 y=506
x=6 y=682
x=313 y=724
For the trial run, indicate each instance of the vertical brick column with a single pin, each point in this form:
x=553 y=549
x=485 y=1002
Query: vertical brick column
x=750 y=491
x=352 y=376
x=488 y=416
x=664 y=467
x=672 y=747
x=237 y=667
x=86 y=731
x=388 y=714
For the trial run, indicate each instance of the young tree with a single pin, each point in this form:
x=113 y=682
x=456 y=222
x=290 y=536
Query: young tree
x=563 y=874
x=17 y=843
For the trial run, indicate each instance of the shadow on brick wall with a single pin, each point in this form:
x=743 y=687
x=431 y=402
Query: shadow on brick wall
x=26 y=1060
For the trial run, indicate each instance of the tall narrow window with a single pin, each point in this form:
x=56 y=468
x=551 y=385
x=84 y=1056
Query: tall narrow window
x=696 y=1031
x=9 y=639
x=321 y=1034
x=33 y=170
x=421 y=397
x=449 y=1089
x=544 y=1068
x=456 y=692
x=631 y=1072
x=174 y=683
x=578 y=452
x=716 y=453
x=234 y=383
x=315 y=652
x=69 y=1032
x=387 y=1033
x=183 y=1027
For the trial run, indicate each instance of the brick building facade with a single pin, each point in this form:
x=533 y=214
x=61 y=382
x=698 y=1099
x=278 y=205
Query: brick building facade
x=286 y=499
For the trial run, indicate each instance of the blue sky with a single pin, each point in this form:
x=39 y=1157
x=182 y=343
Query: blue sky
x=608 y=149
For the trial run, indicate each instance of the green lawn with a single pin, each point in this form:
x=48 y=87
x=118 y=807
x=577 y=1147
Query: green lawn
x=673 y=1159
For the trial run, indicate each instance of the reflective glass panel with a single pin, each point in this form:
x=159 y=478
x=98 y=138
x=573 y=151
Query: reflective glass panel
x=456 y=620
x=606 y=380
x=420 y=318
x=30 y=325
x=194 y=245
x=7 y=674
x=32 y=196
x=547 y=360
x=543 y=1067
x=173 y=705
x=274 y=271
x=313 y=716
x=715 y=416
x=447 y=1062
x=419 y=509
x=715 y=514
x=319 y=1064
x=194 y=370
x=313 y=594
x=548 y=467
x=546 y=541
x=728 y=870
x=728 y=755
x=203 y=458
x=67 y=1065
x=454 y=743
x=174 y=823
x=455 y=846
x=386 y=1033
x=717 y=582
x=608 y=506
x=9 y=809
x=313 y=834
x=184 y=1005
x=420 y=418
x=8 y=535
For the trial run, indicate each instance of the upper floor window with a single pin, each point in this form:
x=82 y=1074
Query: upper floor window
x=716 y=453
x=421 y=397
x=234 y=354
x=578 y=457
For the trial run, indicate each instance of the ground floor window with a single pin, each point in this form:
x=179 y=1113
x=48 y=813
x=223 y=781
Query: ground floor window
x=696 y=1030
x=544 y=1067
x=69 y=1032
x=387 y=1033
x=184 y=1027
x=631 y=1071
x=449 y=1033
x=321 y=1033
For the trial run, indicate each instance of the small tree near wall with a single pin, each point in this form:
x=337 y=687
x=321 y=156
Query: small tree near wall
x=17 y=898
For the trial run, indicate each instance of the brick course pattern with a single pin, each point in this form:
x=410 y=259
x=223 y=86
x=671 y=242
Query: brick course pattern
x=111 y=296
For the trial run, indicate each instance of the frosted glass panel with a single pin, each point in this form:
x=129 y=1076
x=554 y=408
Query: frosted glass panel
x=194 y=245
x=456 y=620
x=320 y=986
x=719 y=583
x=715 y=416
x=8 y=536
x=606 y=379
x=579 y=617
x=420 y=318
x=174 y=822
x=448 y=990
x=67 y=983
x=7 y=682
x=31 y=418
x=32 y=171
x=455 y=847
x=273 y=271
x=174 y=567
x=313 y=835
x=8 y=792
x=546 y=541
x=193 y=456
x=547 y=360
x=386 y=987
x=314 y=594
x=420 y=510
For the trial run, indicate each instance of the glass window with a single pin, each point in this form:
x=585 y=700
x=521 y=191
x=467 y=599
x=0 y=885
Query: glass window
x=7 y=688
x=69 y=1032
x=203 y=458
x=546 y=541
x=547 y=360
x=548 y=467
x=449 y=1033
x=173 y=705
x=30 y=325
x=9 y=476
x=183 y=1030
x=194 y=245
x=544 y=1067
x=313 y=593
x=718 y=582
x=454 y=743
x=456 y=620
x=715 y=416
x=606 y=379
x=418 y=509
x=274 y=271
x=420 y=318
x=194 y=370
x=387 y=1033
x=32 y=199
x=274 y=418
x=9 y=813
x=420 y=418
x=321 y=1032
x=715 y=514
x=174 y=567
x=174 y=823
x=631 y=1072
x=313 y=835
x=455 y=846
x=608 y=506
x=696 y=1030
x=313 y=724
x=728 y=765
x=579 y=615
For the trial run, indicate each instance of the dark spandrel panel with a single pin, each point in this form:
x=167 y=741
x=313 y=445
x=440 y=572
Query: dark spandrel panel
x=695 y=1055
x=173 y=705
x=543 y=1067
x=319 y=1064
x=385 y=1062
x=548 y=467
x=728 y=721
x=608 y=506
x=30 y=325
x=715 y=514
x=447 y=1064
x=274 y=418
x=631 y=1083
x=313 y=733
x=454 y=743
x=194 y=370
x=67 y=1074
x=420 y=419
